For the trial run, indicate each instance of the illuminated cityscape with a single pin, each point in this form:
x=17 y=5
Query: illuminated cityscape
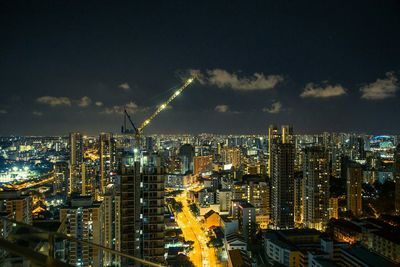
x=177 y=134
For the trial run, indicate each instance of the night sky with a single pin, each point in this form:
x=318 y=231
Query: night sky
x=73 y=65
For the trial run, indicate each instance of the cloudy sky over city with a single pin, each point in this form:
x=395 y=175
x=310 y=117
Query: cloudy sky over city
x=74 y=66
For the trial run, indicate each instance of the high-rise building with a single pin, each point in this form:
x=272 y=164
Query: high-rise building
x=88 y=178
x=282 y=182
x=201 y=163
x=152 y=178
x=298 y=198
x=107 y=159
x=299 y=158
x=61 y=175
x=335 y=161
x=258 y=195
x=111 y=224
x=273 y=137
x=149 y=144
x=186 y=154
x=246 y=219
x=333 y=208
x=316 y=188
x=354 y=187
x=287 y=134
x=396 y=176
x=256 y=191
x=224 y=197
x=16 y=205
x=130 y=209
x=83 y=220
x=75 y=162
x=142 y=227
x=231 y=155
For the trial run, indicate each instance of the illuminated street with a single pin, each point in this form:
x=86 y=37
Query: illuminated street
x=29 y=184
x=192 y=230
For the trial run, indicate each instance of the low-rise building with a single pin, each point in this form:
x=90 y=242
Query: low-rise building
x=229 y=225
x=239 y=258
x=387 y=244
x=235 y=241
x=362 y=257
x=212 y=219
x=291 y=247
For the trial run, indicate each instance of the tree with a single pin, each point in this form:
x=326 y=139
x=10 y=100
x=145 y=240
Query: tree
x=195 y=210
x=182 y=261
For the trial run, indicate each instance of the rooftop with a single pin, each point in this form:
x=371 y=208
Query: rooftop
x=368 y=257
x=246 y=205
x=234 y=237
x=209 y=213
x=239 y=258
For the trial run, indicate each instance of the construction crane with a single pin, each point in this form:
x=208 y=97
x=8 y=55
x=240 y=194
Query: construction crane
x=139 y=130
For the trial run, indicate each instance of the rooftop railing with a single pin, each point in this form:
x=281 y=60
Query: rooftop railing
x=26 y=245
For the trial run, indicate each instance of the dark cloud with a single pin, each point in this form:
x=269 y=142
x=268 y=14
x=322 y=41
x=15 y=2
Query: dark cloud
x=323 y=91
x=54 y=101
x=381 y=88
x=131 y=107
x=124 y=86
x=81 y=69
x=223 y=79
x=275 y=108
x=222 y=108
x=84 y=102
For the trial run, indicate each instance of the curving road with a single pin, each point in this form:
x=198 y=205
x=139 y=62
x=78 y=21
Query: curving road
x=192 y=228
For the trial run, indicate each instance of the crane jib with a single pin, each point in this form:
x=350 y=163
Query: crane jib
x=165 y=104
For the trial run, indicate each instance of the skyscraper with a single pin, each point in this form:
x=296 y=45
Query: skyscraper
x=397 y=178
x=107 y=159
x=61 y=175
x=83 y=221
x=287 y=134
x=130 y=209
x=152 y=178
x=316 y=188
x=282 y=181
x=186 y=154
x=88 y=178
x=298 y=198
x=354 y=183
x=201 y=163
x=246 y=219
x=75 y=162
x=231 y=155
x=112 y=224
x=149 y=144
x=273 y=137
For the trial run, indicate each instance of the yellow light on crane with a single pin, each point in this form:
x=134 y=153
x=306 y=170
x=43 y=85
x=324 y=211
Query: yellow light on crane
x=163 y=106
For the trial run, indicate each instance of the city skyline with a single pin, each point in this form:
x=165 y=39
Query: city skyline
x=204 y=200
x=200 y=133
x=319 y=67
